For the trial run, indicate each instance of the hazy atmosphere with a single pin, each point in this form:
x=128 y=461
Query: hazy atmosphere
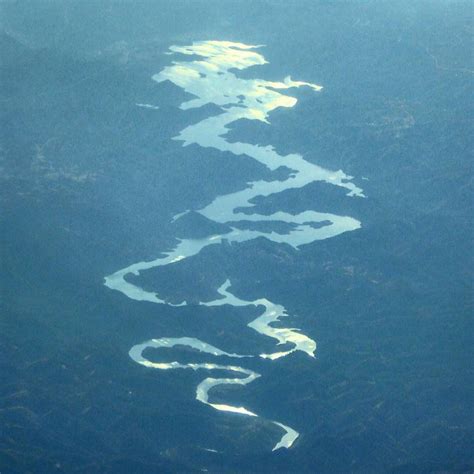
x=236 y=236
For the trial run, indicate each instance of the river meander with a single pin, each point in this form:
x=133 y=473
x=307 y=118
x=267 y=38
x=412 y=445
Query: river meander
x=212 y=79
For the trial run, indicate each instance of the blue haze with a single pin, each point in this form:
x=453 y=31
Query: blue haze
x=92 y=182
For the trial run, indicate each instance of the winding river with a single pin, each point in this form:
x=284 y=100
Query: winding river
x=208 y=74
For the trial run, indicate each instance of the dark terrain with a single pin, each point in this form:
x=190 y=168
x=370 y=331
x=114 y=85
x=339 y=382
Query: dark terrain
x=90 y=182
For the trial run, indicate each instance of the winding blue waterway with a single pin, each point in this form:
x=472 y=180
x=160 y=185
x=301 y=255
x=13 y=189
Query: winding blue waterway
x=211 y=80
